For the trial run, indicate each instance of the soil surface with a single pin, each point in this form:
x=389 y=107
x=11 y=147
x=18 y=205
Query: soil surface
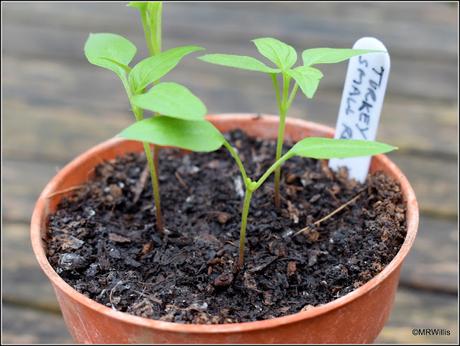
x=102 y=239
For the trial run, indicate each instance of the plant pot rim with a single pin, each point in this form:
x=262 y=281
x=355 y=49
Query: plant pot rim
x=41 y=210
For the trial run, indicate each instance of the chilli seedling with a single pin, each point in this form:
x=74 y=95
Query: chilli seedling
x=305 y=76
x=202 y=136
x=115 y=53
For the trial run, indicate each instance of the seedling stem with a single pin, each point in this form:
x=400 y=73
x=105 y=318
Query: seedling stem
x=283 y=105
x=151 y=23
x=244 y=220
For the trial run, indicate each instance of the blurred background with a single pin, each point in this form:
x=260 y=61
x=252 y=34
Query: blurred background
x=56 y=105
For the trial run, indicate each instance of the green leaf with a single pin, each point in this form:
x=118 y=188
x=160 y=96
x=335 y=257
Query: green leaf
x=281 y=54
x=199 y=136
x=110 y=51
x=125 y=68
x=173 y=100
x=238 y=61
x=152 y=17
x=307 y=78
x=328 y=148
x=153 y=68
x=152 y=6
x=332 y=55
x=141 y=5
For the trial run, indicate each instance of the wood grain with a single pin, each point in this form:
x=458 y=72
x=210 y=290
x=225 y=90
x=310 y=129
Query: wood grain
x=313 y=23
x=62 y=92
x=23 y=281
x=409 y=78
x=432 y=264
x=56 y=105
x=415 y=309
x=25 y=326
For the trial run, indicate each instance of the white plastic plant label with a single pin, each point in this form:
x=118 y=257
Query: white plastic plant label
x=362 y=101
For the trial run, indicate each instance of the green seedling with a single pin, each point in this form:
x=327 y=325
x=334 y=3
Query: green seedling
x=151 y=13
x=305 y=77
x=202 y=136
x=115 y=53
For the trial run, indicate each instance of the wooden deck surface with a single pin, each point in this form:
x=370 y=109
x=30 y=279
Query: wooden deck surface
x=56 y=105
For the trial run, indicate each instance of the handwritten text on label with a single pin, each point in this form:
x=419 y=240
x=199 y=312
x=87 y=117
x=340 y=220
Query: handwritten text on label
x=362 y=101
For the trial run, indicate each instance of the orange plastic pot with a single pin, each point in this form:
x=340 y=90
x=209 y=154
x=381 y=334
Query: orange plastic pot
x=357 y=317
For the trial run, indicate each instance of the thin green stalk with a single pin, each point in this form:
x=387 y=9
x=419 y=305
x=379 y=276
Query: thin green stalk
x=156 y=35
x=244 y=221
x=274 y=167
x=250 y=188
x=292 y=95
x=151 y=23
x=248 y=183
x=277 y=90
x=146 y=27
x=153 y=175
x=238 y=162
x=283 y=107
x=156 y=187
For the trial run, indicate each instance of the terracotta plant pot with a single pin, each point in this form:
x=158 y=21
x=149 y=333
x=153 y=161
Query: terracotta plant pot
x=357 y=317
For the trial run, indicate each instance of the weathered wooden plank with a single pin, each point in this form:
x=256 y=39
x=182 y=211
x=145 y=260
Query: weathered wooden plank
x=409 y=77
x=415 y=309
x=414 y=127
x=52 y=97
x=58 y=133
x=319 y=23
x=434 y=181
x=22 y=184
x=58 y=93
x=27 y=326
x=23 y=281
x=432 y=263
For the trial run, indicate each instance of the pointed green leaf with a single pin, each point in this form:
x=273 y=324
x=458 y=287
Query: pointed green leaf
x=141 y=5
x=307 y=78
x=281 y=54
x=153 y=68
x=152 y=16
x=199 y=136
x=238 y=61
x=332 y=55
x=173 y=100
x=110 y=51
x=152 y=6
x=328 y=148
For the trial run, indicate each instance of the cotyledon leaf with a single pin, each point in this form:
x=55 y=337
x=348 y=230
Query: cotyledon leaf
x=151 y=69
x=173 y=100
x=281 y=54
x=332 y=55
x=328 y=148
x=307 y=78
x=238 y=61
x=110 y=51
x=200 y=136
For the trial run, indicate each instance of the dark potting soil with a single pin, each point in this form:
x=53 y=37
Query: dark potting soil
x=102 y=239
